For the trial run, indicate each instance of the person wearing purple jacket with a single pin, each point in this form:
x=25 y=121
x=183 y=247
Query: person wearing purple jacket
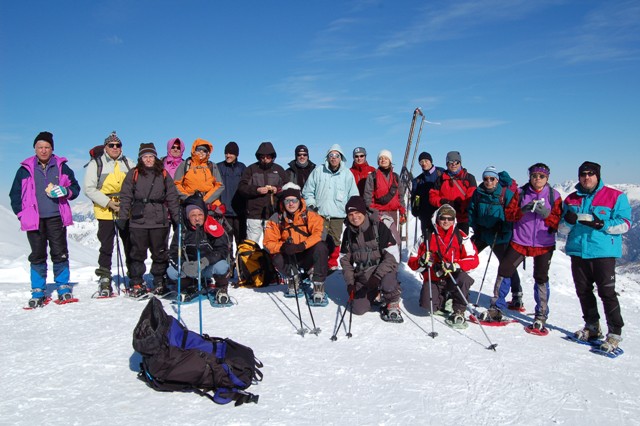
x=175 y=149
x=40 y=196
x=534 y=235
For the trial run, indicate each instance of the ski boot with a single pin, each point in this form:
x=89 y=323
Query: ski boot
x=138 y=290
x=588 y=333
x=391 y=313
x=104 y=287
x=492 y=314
x=611 y=343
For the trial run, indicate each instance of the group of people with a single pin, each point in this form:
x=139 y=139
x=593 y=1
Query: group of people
x=323 y=217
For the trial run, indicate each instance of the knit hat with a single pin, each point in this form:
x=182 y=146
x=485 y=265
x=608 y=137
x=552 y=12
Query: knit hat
x=425 y=156
x=590 y=166
x=44 y=136
x=490 y=171
x=454 y=156
x=359 y=150
x=540 y=168
x=112 y=138
x=446 y=210
x=232 y=148
x=147 y=148
x=385 y=153
x=301 y=148
x=190 y=208
x=290 y=189
x=356 y=204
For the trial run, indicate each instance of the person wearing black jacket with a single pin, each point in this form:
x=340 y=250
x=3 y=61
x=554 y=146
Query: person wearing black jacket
x=301 y=167
x=231 y=171
x=200 y=233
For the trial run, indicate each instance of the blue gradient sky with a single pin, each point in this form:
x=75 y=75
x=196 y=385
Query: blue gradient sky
x=510 y=83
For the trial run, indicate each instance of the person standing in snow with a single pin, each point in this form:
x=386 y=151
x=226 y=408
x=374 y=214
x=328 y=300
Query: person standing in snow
x=301 y=167
x=102 y=183
x=597 y=217
x=360 y=168
x=420 y=187
x=198 y=174
x=534 y=235
x=231 y=171
x=369 y=257
x=327 y=191
x=175 y=149
x=149 y=202
x=440 y=255
x=40 y=196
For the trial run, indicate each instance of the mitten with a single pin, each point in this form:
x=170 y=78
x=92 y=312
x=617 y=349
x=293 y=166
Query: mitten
x=596 y=223
x=190 y=269
x=541 y=209
x=571 y=217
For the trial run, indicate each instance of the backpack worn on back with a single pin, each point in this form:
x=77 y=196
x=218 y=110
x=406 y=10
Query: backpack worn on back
x=176 y=359
x=253 y=265
x=95 y=154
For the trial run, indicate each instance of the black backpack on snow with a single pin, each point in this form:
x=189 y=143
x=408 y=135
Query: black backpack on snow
x=176 y=359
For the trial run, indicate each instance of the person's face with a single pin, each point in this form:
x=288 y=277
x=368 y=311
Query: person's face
x=453 y=166
x=426 y=164
x=148 y=160
x=266 y=159
x=113 y=149
x=230 y=158
x=384 y=162
x=334 y=159
x=588 y=180
x=445 y=221
x=291 y=204
x=538 y=180
x=175 y=150
x=202 y=153
x=196 y=217
x=43 y=151
x=490 y=182
x=355 y=218
x=302 y=157
x=360 y=158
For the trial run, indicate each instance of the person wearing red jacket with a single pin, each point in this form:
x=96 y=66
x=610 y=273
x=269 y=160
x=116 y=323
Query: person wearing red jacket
x=360 y=168
x=445 y=254
x=455 y=187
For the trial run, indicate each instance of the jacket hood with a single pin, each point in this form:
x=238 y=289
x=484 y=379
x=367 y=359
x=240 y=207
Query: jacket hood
x=196 y=143
x=435 y=217
x=265 y=148
x=170 y=144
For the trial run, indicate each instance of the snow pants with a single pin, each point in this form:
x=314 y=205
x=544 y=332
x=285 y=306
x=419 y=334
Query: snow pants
x=499 y=250
x=51 y=232
x=364 y=297
x=314 y=257
x=106 y=235
x=600 y=271
x=154 y=240
x=441 y=288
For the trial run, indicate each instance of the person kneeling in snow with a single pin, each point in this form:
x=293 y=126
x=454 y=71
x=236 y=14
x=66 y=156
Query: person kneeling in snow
x=295 y=236
x=208 y=238
x=369 y=257
x=444 y=257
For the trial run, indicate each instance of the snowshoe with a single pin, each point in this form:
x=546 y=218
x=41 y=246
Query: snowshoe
x=537 y=328
x=504 y=321
x=219 y=298
x=65 y=298
x=457 y=321
x=104 y=288
x=37 y=302
x=589 y=332
x=318 y=296
x=138 y=290
x=291 y=289
x=595 y=345
x=391 y=313
x=491 y=315
x=516 y=305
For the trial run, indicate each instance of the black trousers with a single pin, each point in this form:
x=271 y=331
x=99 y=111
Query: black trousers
x=315 y=257
x=239 y=226
x=51 y=233
x=154 y=240
x=602 y=272
x=106 y=235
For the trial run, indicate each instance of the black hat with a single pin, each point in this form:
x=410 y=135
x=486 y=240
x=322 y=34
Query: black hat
x=590 y=166
x=44 y=136
x=232 y=148
x=290 y=189
x=302 y=148
x=147 y=148
x=425 y=156
x=356 y=204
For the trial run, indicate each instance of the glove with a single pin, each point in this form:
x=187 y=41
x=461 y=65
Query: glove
x=121 y=224
x=449 y=267
x=374 y=282
x=56 y=191
x=114 y=205
x=290 y=248
x=312 y=208
x=596 y=223
x=351 y=289
x=541 y=209
x=403 y=219
x=571 y=217
x=190 y=269
x=527 y=207
x=204 y=262
x=425 y=260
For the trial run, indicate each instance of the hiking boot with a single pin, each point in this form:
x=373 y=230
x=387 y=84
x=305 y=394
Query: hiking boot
x=65 y=297
x=160 y=285
x=491 y=315
x=138 y=290
x=37 y=302
x=291 y=287
x=104 y=287
x=611 y=343
x=393 y=312
x=538 y=324
x=211 y=285
x=457 y=318
x=516 y=301
x=222 y=297
x=103 y=272
x=589 y=332
x=318 y=292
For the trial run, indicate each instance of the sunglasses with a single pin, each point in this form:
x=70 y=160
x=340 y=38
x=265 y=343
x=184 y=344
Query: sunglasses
x=291 y=201
x=176 y=147
x=455 y=163
x=538 y=176
x=489 y=179
x=446 y=218
x=302 y=154
x=202 y=149
x=587 y=174
x=334 y=155
x=114 y=145
x=359 y=156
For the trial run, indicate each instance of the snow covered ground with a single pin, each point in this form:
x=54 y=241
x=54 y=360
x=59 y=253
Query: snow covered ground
x=74 y=364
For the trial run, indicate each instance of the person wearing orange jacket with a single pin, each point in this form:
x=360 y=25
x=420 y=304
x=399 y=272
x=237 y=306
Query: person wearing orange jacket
x=296 y=235
x=199 y=174
x=444 y=256
x=455 y=187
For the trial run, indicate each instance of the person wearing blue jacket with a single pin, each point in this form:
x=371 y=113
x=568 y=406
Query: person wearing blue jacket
x=231 y=172
x=327 y=191
x=597 y=216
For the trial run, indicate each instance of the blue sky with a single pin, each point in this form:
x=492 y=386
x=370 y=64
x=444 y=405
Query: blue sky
x=510 y=83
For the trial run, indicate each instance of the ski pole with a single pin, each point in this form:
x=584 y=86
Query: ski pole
x=491 y=346
x=350 y=317
x=179 y=266
x=119 y=263
x=315 y=330
x=433 y=333
x=294 y=276
x=349 y=302
x=198 y=228
x=495 y=236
